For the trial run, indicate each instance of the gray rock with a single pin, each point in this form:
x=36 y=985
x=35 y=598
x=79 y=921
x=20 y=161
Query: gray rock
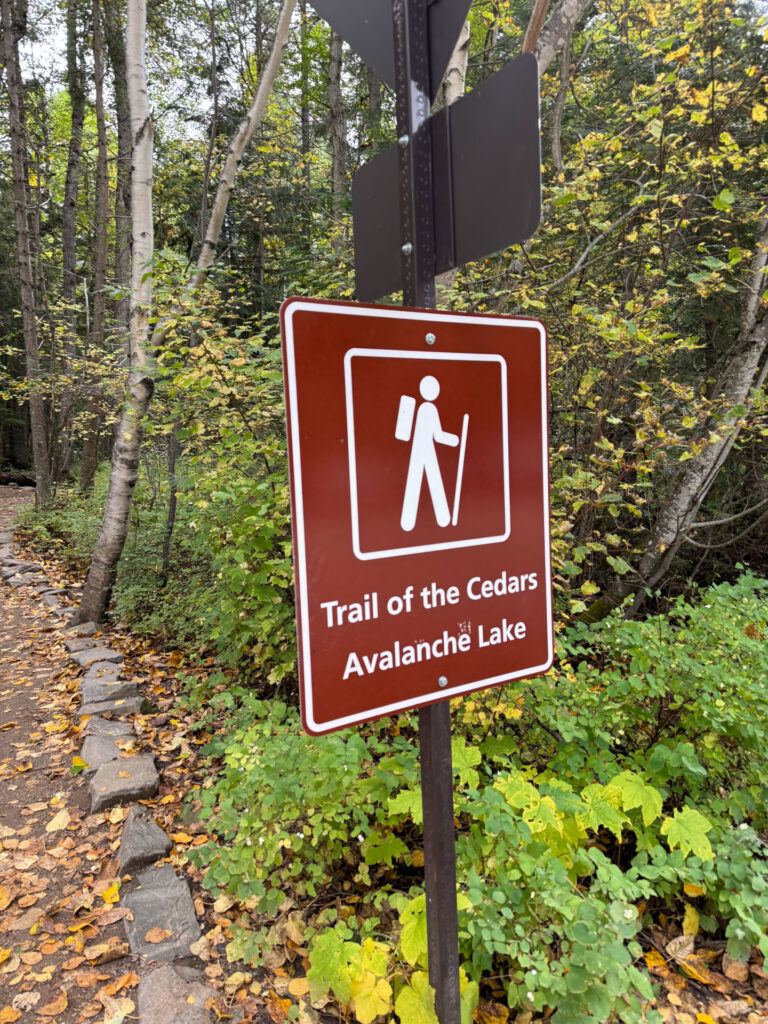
x=161 y=900
x=6 y=537
x=98 y=750
x=173 y=995
x=101 y=672
x=102 y=727
x=119 y=782
x=124 y=706
x=86 y=658
x=26 y=579
x=6 y=552
x=78 y=643
x=51 y=601
x=92 y=693
x=143 y=842
x=83 y=629
x=64 y=610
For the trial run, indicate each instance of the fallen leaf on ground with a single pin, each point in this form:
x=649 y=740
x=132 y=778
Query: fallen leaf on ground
x=56 y=824
x=6 y=896
x=8 y=1015
x=155 y=935
x=55 y=1007
x=298 y=986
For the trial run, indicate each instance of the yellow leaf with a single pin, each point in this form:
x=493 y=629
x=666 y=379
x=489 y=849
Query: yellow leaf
x=759 y=113
x=6 y=896
x=704 y=1018
x=55 y=1007
x=182 y=837
x=691 y=921
x=56 y=824
x=692 y=890
x=78 y=762
x=4 y=955
x=112 y=893
x=117 y=814
x=8 y=1015
x=298 y=986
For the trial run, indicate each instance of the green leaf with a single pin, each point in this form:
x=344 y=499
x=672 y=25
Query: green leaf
x=379 y=849
x=416 y=1002
x=635 y=792
x=413 y=937
x=408 y=802
x=725 y=200
x=687 y=831
x=464 y=760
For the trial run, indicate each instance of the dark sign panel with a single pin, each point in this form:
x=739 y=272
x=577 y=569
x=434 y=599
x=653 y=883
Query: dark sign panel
x=367 y=27
x=418 y=453
x=486 y=182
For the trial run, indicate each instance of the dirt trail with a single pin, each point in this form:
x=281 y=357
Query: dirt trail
x=56 y=864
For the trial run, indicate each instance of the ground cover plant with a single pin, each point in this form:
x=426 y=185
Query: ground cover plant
x=625 y=787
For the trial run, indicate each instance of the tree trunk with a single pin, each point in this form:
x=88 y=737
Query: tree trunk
x=691 y=484
x=114 y=38
x=91 y=442
x=452 y=89
x=13 y=29
x=126 y=452
x=338 y=138
x=127 y=448
x=558 y=29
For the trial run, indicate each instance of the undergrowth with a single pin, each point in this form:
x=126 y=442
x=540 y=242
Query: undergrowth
x=628 y=782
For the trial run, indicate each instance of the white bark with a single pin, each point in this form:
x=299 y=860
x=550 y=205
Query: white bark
x=237 y=147
x=127 y=449
x=557 y=30
x=691 y=485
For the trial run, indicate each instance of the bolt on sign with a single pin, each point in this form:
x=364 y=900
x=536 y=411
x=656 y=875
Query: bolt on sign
x=418 y=455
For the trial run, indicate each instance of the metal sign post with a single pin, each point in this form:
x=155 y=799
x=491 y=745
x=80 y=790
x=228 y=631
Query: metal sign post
x=412 y=91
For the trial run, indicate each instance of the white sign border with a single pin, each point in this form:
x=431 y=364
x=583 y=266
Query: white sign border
x=387 y=353
x=289 y=309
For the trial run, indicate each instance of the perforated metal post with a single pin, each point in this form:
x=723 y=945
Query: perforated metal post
x=412 y=78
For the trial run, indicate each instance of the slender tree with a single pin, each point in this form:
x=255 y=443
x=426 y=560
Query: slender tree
x=13 y=29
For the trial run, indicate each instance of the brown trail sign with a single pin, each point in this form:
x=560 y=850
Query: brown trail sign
x=466 y=182
x=427 y=574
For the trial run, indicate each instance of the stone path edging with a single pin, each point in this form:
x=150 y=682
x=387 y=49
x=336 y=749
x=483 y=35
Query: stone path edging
x=160 y=900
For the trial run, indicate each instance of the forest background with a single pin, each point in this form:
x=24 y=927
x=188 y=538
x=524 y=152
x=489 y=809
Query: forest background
x=623 y=792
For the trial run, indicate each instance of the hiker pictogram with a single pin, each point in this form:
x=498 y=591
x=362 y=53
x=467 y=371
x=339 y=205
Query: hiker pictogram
x=425 y=431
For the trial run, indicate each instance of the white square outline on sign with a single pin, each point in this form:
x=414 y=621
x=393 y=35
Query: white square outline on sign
x=293 y=306
x=388 y=353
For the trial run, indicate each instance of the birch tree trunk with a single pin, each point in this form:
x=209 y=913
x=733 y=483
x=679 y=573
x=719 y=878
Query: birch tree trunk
x=126 y=452
x=115 y=40
x=127 y=447
x=742 y=376
x=452 y=88
x=13 y=29
x=101 y=230
x=338 y=137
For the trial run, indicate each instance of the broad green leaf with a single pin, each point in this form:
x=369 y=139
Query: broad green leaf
x=415 y=1003
x=464 y=760
x=413 y=937
x=687 y=831
x=635 y=792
